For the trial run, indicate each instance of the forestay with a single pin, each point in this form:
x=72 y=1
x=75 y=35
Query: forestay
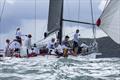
x=54 y=18
x=110 y=20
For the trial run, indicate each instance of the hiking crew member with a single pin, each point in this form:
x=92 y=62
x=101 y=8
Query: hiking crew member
x=58 y=50
x=51 y=45
x=35 y=50
x=19 y=35
x=66 y=43
x=84 y=47
x=28 y=43
x=66 y=46
x=76 y=42
x=7 y=49
x=15 y=47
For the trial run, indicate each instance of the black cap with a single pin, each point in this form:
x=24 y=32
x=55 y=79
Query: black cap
x=7 y=40
x=29 y=35
x=35 y=45
x=77 y=30
x=67 y=36
x=18 y=28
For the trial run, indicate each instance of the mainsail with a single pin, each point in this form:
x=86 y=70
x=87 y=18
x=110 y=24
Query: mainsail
x=110 y=20
x=54 y=18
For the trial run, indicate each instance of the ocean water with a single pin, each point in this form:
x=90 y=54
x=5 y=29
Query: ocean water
x=52 y=68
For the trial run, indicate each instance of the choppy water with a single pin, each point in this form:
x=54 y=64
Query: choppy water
x=52 y=68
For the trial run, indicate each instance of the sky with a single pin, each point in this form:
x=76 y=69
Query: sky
x=21 y=13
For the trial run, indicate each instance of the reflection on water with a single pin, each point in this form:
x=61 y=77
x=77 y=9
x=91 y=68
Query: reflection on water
x=52 y=68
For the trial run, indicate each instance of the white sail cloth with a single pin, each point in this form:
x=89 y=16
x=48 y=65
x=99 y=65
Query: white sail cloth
x=110 y=20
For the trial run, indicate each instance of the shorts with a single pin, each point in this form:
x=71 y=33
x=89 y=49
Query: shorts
x=75 y=44
x=17 y=50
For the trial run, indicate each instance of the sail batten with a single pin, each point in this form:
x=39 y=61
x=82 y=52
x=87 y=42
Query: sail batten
x=110 y=20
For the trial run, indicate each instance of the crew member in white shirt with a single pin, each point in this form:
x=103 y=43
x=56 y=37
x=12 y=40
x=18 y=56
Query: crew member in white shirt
x=58 y=50
x=28 y=43
x=35 y=49
x=15 y=47
x=76 y=42
x=19 y=35
x=51 y=45
x=7 y=49
x=84 y=47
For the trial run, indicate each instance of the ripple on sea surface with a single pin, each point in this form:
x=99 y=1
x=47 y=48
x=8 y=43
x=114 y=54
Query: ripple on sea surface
x=52 y=68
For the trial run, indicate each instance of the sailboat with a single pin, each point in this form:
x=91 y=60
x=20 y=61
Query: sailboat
x=56 y=19
x=108 y=21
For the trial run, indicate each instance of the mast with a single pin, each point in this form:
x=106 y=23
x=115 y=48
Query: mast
x=94 y=27
x=60 y=33
x=92 y=17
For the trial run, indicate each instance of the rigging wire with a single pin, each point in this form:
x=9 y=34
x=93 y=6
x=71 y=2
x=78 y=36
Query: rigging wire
x=0 y=5
x=2 y=11
x=94 y=27
x=35 y=15
x=42 y=38
x=92 y=18
x=79 y=12
x=67 y=8
x=1 y=14
x=35 y=24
